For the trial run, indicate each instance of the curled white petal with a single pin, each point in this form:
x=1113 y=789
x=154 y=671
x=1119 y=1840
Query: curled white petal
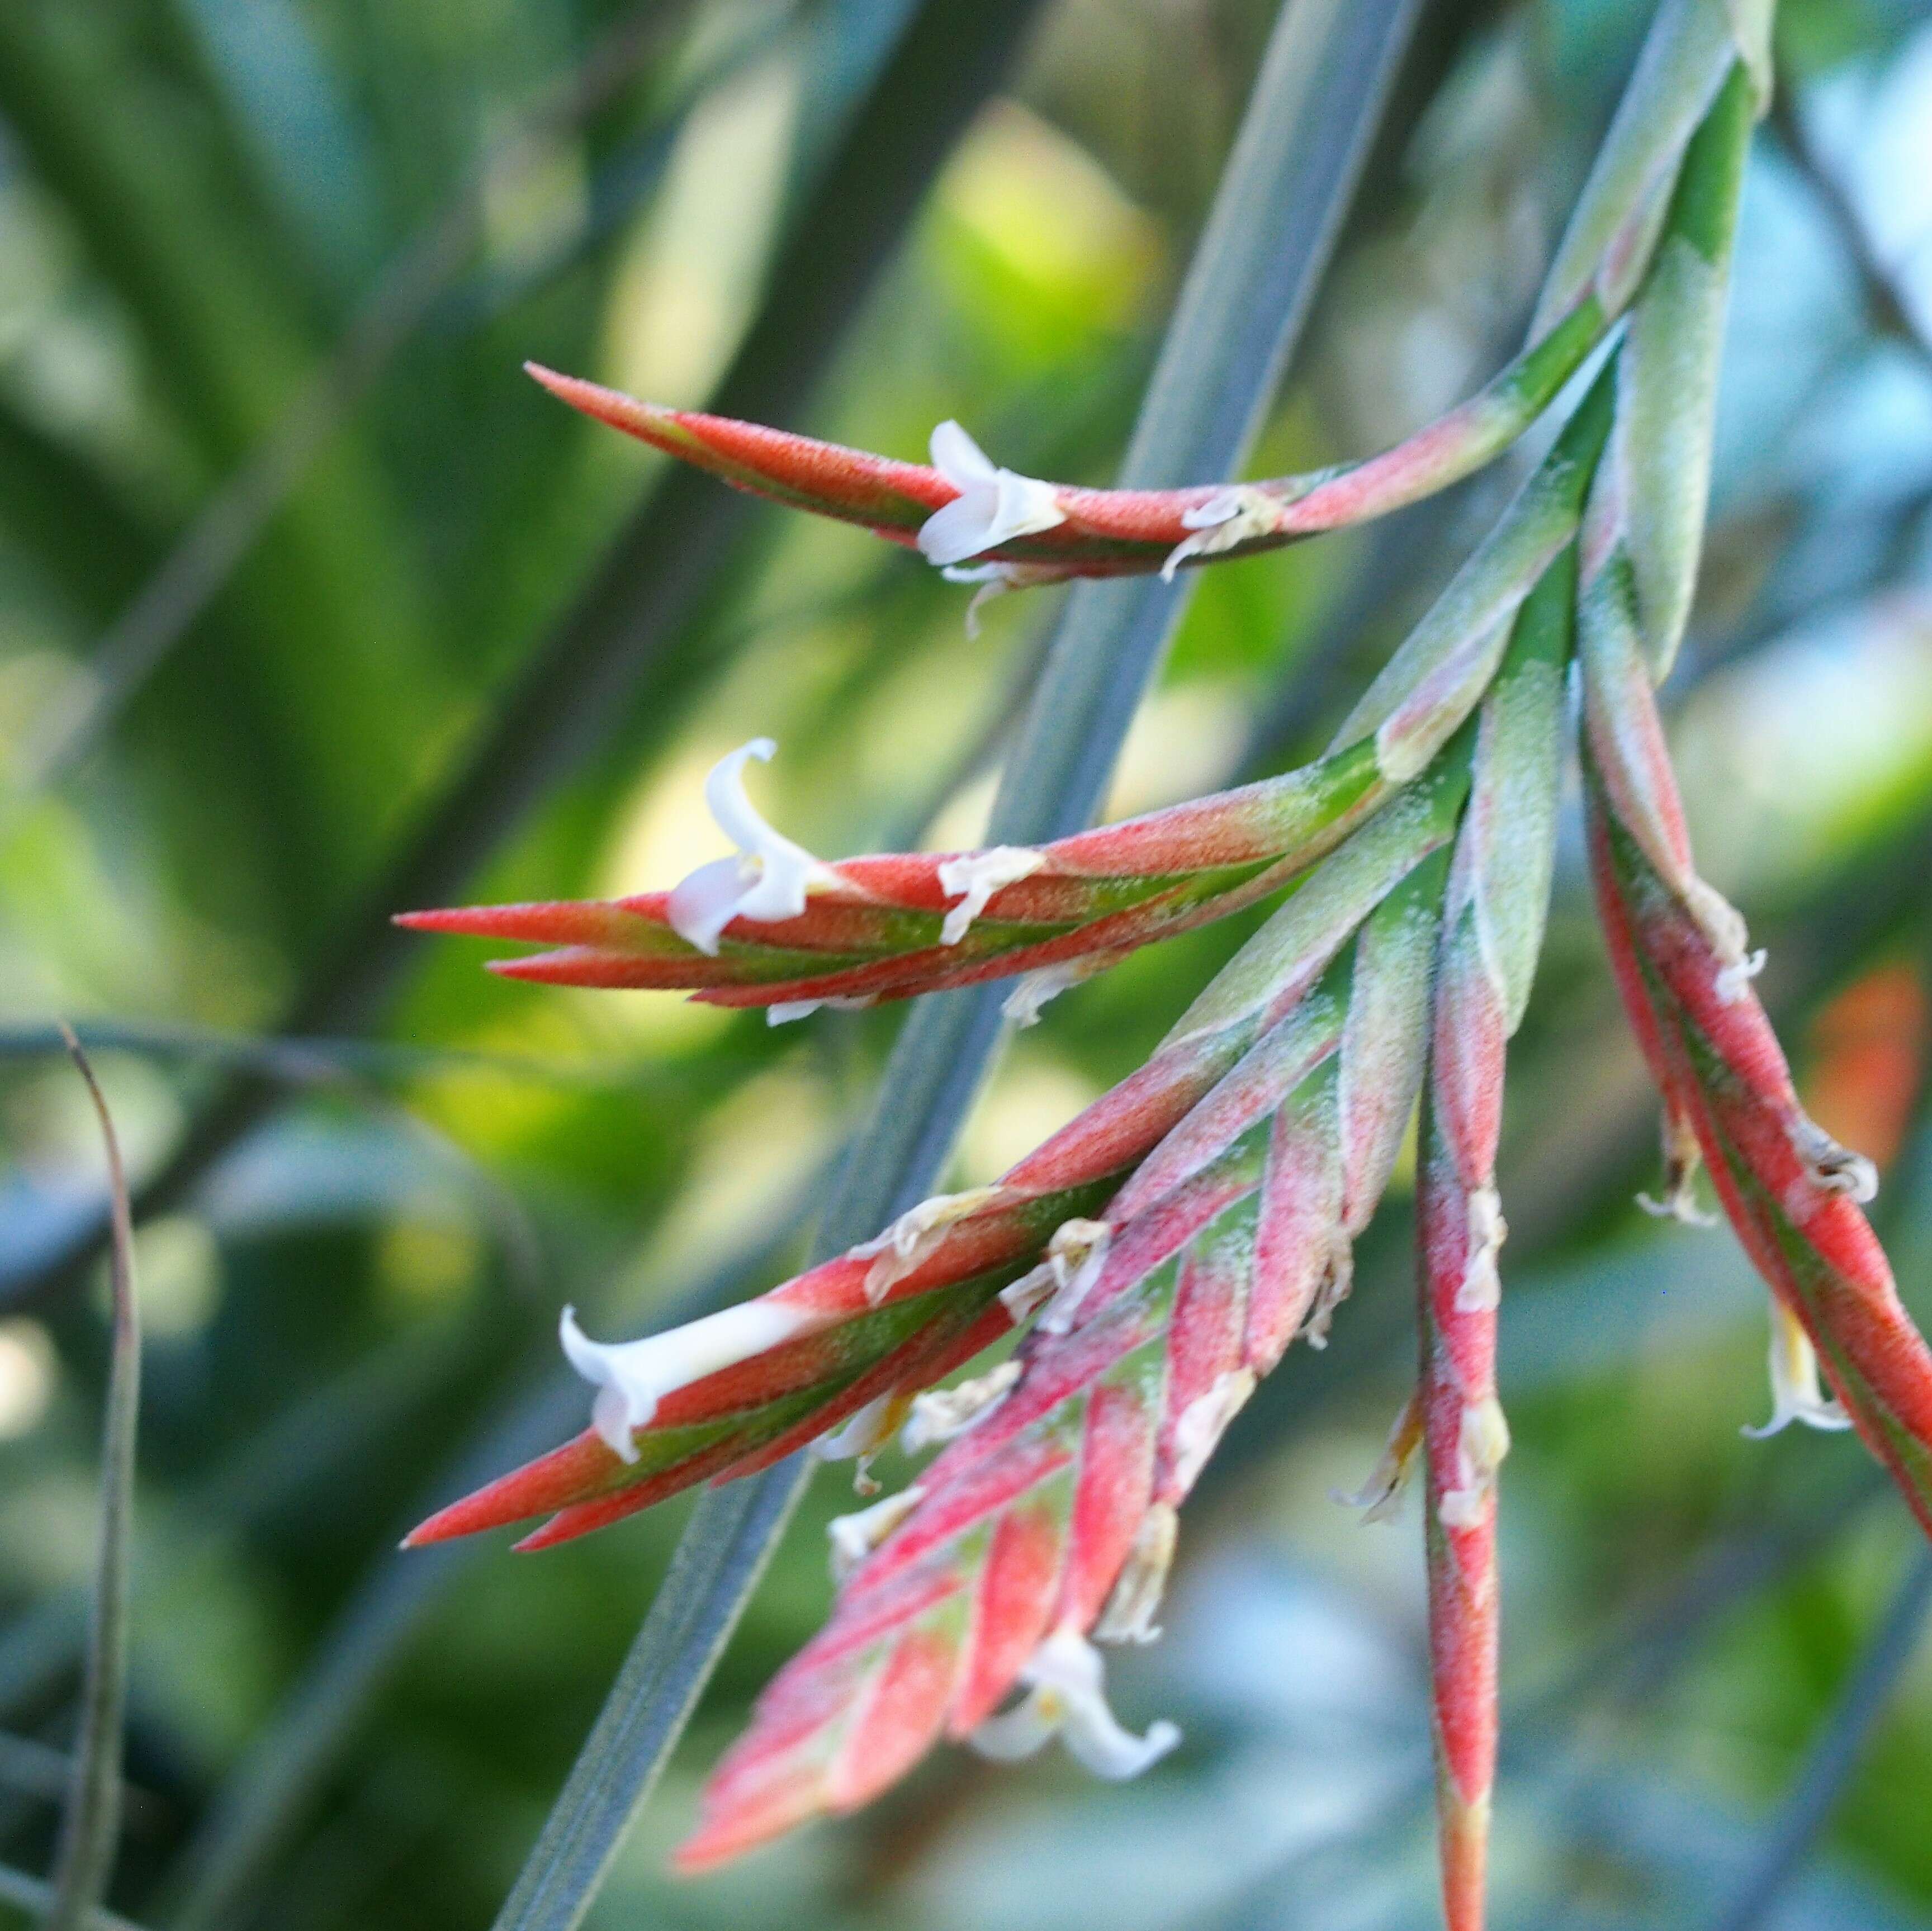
x=995 y=580
x=1024 y=1298
x=1135 y=1600
x=1233 y=516
x=1677 y=1203
x=853 y=1537
x=1796 y=1395
x=1734 y=980
x=632 y=1377
x=994 y=506
x=1067 y=1697
x=1024 y=1002
x=1203 y=1421
x=783 y=1011
x=1380 y=1495
x=1075 y=1256
x=940 y=1414
x=1834 y=1168
x=1682 y=1157
x=972 y=878
x=767 y=880
x=1481 y=1442
x=1482 y=1288
x=860 y=1436
x=910 y=1240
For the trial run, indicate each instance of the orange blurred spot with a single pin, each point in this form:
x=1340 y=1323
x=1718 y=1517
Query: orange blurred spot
x=1868 y=1050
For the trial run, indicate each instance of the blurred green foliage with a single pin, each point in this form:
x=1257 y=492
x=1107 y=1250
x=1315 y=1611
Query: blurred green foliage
x=199 y=202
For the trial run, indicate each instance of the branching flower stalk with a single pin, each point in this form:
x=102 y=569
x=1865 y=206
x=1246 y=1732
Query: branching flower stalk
x=1160 y=1253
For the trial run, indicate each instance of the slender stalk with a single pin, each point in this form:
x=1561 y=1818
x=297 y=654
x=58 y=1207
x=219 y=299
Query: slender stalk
x=91 y=1823
x=1316 y=104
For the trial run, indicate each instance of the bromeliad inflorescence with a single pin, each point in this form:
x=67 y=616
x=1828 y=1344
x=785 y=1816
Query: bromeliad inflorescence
x=1159 y=1253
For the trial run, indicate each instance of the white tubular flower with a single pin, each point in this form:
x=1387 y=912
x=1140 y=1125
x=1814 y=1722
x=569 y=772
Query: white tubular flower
x=1481 y=1443
x=1234 y=516
x=1066 y=1697
x=632 y=1377
x=767 y=881
x=853 y=1537
x=1796 y=1394
x=972 y=878
x=942 y=1414
x=994 y=506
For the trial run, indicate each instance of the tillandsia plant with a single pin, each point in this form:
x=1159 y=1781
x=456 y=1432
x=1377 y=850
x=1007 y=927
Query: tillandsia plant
x=1159 y=1255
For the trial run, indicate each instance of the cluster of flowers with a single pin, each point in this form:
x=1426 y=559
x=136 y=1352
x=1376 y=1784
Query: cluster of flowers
x=1161 y=1252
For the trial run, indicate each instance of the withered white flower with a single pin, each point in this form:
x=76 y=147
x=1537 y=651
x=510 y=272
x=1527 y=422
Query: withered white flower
x=1236 y=515
x=853 y=1537
x=1481 y=1443
x=1066 y=1683
x=972 y=878
x=632 y=1377
x=1795 y=1393
x=994 y=506
x=767 y=879
x=943 y=1414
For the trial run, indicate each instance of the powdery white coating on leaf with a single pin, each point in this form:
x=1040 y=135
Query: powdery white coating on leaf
x=767 y=880
x=1750 y=31
x=632 y=1377
x=1512 y=818
x=1796 y=1394
x=1666 y=423
x=1685 y=57
x=974 y=877
x=994 y=506
x=1066 y=1681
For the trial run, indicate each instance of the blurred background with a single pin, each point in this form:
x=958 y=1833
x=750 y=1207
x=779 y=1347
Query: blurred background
x=312 y=607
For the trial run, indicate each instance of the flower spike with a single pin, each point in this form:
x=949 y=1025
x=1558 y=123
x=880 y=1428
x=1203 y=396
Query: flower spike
x=782 y=930
x=891 y=1318
x=985 y=524
x=1051 y=1521
x=1493 y=932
